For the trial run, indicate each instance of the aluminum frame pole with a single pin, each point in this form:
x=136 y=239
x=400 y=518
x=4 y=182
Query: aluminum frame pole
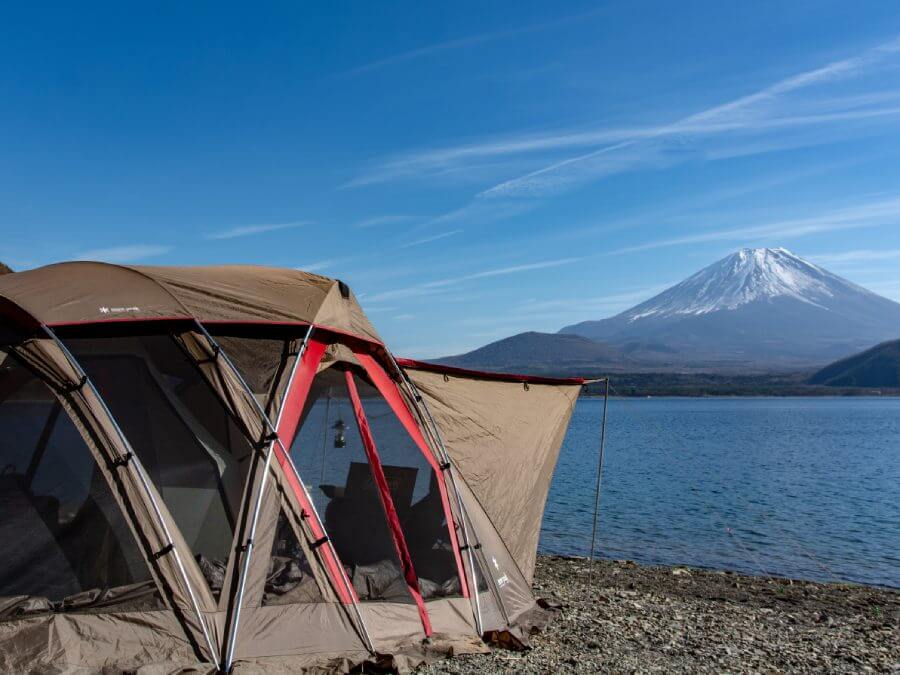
x=348 y=587
x=436 y=433
x=217 y=350
x=438 y=443
x=260 y=493
x=144 y=480
x=597 y=491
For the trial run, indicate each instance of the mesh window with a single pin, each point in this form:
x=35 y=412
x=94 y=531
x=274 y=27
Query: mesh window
x=416 y=495
x=329 y=454
x=193 y=451
x=63 y=537
x=264 y=363
x=290 y=578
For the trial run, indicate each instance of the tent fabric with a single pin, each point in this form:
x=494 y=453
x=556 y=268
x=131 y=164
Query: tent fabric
x=98 y=430
x=300 y=609
x=505 y=438
x=84 y=292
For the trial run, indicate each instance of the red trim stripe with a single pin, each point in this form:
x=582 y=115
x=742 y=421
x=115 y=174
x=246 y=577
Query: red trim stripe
x=293 y=403
x=486 y=375
x=388 y=388
x=390 y=512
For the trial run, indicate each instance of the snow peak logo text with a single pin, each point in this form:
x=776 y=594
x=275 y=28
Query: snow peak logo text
x=119 y=310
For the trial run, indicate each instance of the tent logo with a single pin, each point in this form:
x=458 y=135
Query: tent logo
x=118 y=310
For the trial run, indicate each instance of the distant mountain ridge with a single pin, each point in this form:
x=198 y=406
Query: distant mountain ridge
x=756 y=307
x=540 y=352
x=875 y=367
x=762 y=309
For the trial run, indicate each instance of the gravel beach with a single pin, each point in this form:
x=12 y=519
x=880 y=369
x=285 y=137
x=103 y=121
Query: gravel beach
x=662 y=619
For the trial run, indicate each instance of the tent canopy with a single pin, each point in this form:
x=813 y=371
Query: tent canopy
x=86 y=292
x=226 y=466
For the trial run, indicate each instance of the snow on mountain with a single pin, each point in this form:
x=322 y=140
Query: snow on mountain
x=762 y=307
x=743 y=277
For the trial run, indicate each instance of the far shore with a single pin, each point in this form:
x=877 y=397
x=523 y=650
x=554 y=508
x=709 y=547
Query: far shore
x=892 y=393
x=638 y=618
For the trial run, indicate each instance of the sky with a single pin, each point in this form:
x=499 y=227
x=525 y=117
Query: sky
x=471 y=169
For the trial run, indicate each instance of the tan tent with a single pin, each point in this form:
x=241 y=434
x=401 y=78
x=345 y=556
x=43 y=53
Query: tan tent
x=224 y=468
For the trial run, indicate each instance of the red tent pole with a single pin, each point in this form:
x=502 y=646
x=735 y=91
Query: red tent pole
x=390 y=511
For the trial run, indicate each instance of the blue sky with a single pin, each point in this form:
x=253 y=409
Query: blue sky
x=472 y=169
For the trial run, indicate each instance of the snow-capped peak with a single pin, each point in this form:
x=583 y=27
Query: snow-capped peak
x=743 y=277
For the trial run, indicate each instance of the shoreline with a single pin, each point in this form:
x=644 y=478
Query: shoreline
x=643 y=618
x=625 y=397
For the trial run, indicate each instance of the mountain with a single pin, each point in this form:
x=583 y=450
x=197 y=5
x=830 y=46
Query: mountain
x=539 y=353
x=759 y=308
x=5 y=269
x=875 y=367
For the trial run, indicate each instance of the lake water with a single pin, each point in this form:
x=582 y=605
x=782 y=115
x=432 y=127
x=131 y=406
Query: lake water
x=800 y=487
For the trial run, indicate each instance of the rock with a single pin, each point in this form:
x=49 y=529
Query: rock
x=647 y=619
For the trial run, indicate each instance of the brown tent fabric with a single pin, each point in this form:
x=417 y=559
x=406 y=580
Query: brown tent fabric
x=83 y=292
x=503 y=434
x=505 y=438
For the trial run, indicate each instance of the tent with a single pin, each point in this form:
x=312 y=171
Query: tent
x=224 y=468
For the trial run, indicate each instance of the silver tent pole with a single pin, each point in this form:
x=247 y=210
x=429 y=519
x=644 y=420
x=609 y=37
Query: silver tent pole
x=131 y=459
x=364 y=631
x=436 y=434
x=254 y=520
x=444 y=458
x=217 y=350
x=597 y=490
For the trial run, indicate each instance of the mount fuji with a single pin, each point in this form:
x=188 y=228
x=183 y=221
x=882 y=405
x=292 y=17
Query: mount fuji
x=762 y=307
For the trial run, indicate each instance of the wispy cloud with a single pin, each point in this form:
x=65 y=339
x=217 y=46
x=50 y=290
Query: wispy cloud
x=588 y=306
x=855 y=256
x=465 y=42
x=319 y=265
x=123 y=254
x=427 y=240
x=549 y=315
x=607 y=151
x=432 y=287
x=383 y=220
x=249 y=230
x=884 y=212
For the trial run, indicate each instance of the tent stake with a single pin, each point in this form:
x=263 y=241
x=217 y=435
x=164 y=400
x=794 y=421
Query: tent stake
x=144 y=481
x=597 y=491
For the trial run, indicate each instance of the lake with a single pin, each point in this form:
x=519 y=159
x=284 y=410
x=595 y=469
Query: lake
x=799 y=487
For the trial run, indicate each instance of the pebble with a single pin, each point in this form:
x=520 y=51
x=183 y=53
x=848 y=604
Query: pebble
x=641 y=619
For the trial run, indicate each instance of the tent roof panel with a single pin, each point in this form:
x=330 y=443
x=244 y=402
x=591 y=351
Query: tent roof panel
x=87 y=292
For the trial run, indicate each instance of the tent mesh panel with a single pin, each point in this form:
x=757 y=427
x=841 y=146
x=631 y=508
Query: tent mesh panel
x=63 y=537
x=416 y=496
x=193 y=451
x=329 y=454
x=290 y=578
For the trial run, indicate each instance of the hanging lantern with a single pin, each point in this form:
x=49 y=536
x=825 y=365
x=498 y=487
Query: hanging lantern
x=340 y=440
